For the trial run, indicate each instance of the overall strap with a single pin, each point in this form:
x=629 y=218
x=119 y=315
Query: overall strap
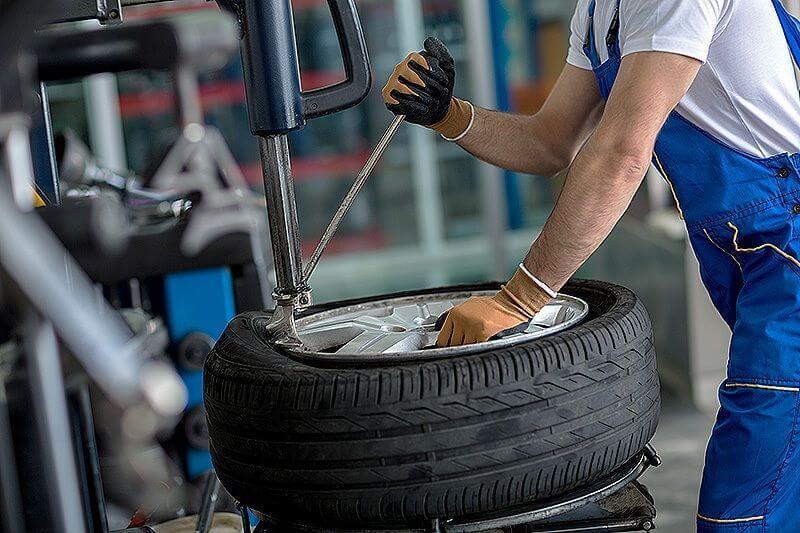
x=589 y=45
x=612 y=37
x=791 y=29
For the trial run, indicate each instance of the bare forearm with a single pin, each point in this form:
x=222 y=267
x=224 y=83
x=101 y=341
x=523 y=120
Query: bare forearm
x=606 y=173
x=544 y=143
x=515 y=142
x=597 y=192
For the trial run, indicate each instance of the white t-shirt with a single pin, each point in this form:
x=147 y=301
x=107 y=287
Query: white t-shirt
x=745 y=94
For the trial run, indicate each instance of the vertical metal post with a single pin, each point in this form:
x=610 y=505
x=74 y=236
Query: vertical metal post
x=187 y=97
x=87 y=459
x=275 y=107
x=191 y=122
x=495 y=209
x=283 y=226
x=424 y=163
x=11 y=519
x=205 y=516
x=51 y=152
x=104 y=120
x=16 y=151
x=49 y=402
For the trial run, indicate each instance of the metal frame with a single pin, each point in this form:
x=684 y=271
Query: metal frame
x=86 y=454
x=51 y=301
x=205 y=516
x=104 y=120
x=49 y=404
x=104 y=11
x=11 y=520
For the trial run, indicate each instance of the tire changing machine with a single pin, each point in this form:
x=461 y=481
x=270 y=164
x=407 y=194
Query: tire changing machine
x=277 y=106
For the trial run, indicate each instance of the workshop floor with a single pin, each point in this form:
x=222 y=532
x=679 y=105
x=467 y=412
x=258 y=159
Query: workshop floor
x=681 y=441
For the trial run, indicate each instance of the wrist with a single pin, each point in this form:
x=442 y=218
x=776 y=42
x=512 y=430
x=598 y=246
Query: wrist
x=457 y=120
x=523 y=294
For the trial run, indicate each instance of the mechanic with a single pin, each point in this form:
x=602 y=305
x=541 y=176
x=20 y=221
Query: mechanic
x=707 y=90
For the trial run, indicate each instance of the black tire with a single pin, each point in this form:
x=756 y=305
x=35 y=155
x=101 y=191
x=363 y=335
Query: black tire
x=390 y=444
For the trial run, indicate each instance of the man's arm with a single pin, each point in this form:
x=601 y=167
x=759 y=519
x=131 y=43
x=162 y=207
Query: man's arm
x=612 y=164
x=421 y=88
x=544 y=143
x=599 y=188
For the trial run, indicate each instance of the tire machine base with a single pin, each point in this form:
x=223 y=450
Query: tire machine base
x=276 y=105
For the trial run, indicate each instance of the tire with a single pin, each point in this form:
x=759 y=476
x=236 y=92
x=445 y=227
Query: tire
x=340 y=444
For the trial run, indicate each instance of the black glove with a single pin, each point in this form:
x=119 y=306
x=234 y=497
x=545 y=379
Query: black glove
x=422 y=94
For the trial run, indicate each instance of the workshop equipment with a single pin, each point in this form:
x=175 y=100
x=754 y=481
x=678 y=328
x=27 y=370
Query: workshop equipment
x=190 y=211
x=276 y=106
x=195 y=231
x=49 y=478
x=77 y=168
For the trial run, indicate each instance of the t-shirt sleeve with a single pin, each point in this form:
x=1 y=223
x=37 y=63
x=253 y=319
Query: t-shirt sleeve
x=578 y=28
x=685 y=27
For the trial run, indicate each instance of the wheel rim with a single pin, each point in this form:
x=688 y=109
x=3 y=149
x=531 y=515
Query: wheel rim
x=406 y=325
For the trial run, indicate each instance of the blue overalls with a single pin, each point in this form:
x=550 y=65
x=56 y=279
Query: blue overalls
x=743 y=219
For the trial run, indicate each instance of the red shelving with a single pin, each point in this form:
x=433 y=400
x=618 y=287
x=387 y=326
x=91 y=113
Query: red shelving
x=230 y=92
x=310 y=167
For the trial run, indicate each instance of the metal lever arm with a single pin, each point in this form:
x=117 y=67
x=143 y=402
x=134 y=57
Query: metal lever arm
x=351 y=195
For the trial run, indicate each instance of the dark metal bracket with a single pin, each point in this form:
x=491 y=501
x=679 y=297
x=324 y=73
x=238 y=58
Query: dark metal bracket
x=104 y=11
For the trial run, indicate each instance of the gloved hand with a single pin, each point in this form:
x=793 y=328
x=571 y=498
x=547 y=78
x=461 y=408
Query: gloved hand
x=421 y=88
x=481 y=318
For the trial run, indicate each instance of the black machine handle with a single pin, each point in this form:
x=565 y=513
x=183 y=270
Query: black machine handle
x=275 y=103
x=358 y=75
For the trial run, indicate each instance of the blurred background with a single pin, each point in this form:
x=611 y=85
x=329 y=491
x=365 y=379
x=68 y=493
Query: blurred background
x=432 y=215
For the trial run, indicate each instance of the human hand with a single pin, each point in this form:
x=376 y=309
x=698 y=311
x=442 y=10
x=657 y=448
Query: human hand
x=481 y=318
x=421 y=89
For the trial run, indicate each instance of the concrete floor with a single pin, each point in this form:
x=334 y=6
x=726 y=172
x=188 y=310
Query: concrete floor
x=681 y=441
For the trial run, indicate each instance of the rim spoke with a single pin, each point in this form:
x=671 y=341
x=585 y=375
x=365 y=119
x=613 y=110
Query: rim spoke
x=405 y=324
x=362 y=322
x=400 y=342
x=419 y=315
x=362 y=342
x=373 y=342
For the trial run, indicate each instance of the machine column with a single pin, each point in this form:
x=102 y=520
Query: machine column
x=282 y=213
